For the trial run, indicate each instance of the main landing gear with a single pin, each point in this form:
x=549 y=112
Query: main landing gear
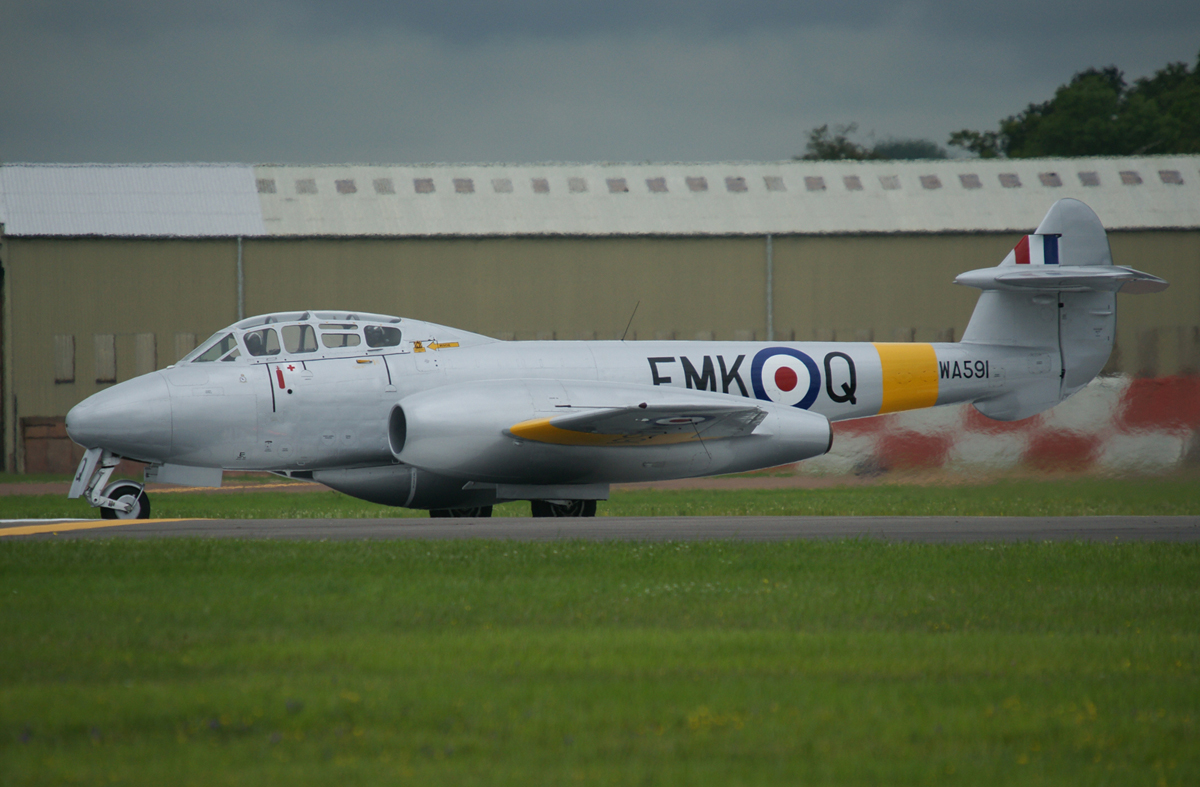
x=460 y=513
x=539 y=508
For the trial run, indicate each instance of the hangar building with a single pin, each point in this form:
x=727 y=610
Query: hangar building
x=113 y=271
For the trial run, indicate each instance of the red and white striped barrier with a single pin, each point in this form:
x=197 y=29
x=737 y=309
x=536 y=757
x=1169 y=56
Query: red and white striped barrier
x=1115 y=424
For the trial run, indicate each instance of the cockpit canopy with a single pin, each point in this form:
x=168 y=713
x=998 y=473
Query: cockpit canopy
x=299 y=333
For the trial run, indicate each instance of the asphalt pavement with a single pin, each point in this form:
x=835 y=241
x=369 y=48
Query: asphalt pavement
x=945 y=530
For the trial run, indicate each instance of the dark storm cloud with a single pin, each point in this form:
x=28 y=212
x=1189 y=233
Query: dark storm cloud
x=532 y=80
x=475 y=20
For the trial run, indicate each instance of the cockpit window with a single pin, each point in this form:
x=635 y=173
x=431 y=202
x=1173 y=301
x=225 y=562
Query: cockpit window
x=217 y=349
x=382 y=336
x=264 y=342
x=340 y=339
x=232 y=356
x=299 y=338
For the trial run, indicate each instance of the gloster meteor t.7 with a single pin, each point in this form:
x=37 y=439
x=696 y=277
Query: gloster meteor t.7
x=408 y=413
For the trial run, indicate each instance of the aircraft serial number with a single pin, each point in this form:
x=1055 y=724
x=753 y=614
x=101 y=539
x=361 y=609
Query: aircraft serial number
x=955 y=370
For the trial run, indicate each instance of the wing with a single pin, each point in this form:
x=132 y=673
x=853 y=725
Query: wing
x=644 y=424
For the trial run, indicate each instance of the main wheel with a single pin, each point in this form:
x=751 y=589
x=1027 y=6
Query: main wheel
x=570 y=508
x=459 y=513
x=127 y=492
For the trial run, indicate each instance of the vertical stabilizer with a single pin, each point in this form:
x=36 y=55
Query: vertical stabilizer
x=1054 y=293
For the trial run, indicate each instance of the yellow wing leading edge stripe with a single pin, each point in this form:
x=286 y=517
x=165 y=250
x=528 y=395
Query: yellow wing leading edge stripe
x=540 y=430
x=910 y=376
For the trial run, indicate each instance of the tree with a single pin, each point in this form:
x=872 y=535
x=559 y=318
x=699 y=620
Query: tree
x=1098 y=114
x=908 y=149
x=839 y=147
x=822 y=147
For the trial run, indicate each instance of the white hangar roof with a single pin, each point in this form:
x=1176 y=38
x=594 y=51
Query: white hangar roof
x=724 y=198
x=185 y=200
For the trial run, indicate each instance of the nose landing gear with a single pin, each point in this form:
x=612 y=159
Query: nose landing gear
x=120 y=499
x=130 y=495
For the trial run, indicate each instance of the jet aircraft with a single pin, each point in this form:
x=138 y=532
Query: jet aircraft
x=409 y=413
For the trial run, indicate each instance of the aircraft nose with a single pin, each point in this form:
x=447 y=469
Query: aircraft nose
x=132 y=419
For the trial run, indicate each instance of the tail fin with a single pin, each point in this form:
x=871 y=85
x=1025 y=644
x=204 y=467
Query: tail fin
x=1054 y=293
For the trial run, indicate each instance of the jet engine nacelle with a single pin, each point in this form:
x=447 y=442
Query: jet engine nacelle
x=548 y=432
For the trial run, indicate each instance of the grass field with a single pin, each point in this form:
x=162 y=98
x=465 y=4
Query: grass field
x=1067 y=496
x=189 y=662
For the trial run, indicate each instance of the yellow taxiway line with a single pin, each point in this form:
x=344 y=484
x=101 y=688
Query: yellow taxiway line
x=87 y=524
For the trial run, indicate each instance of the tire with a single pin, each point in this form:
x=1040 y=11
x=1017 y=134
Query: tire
x=129 y=492
x=461 y=513
x=573 y=508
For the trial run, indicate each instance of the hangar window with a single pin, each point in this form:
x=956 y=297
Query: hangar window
x=1170 y=176
x=306 y=186
x=345 y=187
x=1089 y=178
x=970 y=181
x=617 y=186
x=384 y=186
x=1050 y=180
x=657 y=185
x=423 y=185
x=382 y=336
x=541 y=186
x=889 y=182
x=266 y=185
x=1131 y=178
x=502 y=186
x=216 y=348
x=337 y=340
x=735 y=184
x=299 y=338
x=263 y=342
x=852 y=183
x=145 y=353
x=576 y=185
x=1009 y=180
x=774 y=183
x=814 y=183
x=106 y=357
x=697 y=184
x=931 y=182
x=64 y=359
x=464 y=186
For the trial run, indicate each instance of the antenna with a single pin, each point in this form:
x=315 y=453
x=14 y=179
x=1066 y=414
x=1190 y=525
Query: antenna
x=635 y=308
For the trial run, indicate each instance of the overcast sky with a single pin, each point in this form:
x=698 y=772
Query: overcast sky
x=305 y=81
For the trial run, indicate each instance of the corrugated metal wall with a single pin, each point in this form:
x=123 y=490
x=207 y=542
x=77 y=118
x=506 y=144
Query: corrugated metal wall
x=157 y=297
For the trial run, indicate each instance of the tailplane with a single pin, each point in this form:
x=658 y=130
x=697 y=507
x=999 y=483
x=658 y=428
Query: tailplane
x=1054 y=294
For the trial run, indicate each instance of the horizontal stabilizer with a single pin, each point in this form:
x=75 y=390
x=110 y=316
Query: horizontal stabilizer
x=1063 y=278
x=645 y=424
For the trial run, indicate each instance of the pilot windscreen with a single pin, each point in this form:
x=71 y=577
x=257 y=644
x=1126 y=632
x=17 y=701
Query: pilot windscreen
x=218 y=348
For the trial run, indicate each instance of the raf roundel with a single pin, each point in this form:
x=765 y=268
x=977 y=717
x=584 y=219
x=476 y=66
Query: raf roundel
x=785 y=376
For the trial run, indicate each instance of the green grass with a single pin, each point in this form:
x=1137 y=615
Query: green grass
x=1078 y=496
x=190 y=662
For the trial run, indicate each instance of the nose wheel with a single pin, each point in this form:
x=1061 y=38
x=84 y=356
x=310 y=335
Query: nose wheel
x=130 y=494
